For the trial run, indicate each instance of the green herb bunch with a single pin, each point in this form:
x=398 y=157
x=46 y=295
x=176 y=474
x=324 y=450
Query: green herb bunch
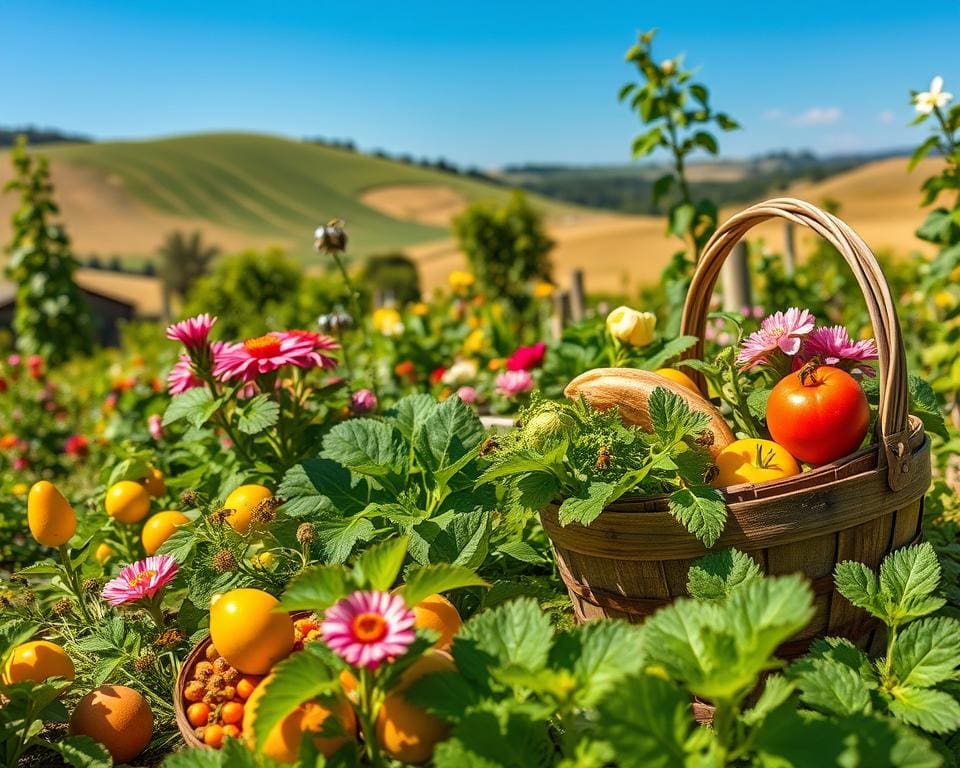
x=588 y=459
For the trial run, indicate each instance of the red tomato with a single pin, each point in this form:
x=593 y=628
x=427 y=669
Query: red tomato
x=819 y=414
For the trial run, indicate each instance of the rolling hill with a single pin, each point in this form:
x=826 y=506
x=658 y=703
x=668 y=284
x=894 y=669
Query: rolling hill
x=245 y=190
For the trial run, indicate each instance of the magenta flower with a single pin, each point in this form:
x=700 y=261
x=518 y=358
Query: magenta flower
x=467 y=394
x=321 y=343
x=192 y=333
x=513 y=383
x=368 y=627
x=833 y=346
x=155 y=426
x=363 y=401
x=781 y=331
x=527 y=358
x=181 y=376
x=263 y=354
x=140 y=581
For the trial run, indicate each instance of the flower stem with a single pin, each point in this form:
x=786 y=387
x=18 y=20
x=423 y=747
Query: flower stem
x=368 y=717
x=73 y=581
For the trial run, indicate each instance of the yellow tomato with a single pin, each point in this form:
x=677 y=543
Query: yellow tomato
x=680 y=378
x=127 y=501
x=154 y=483
x=248 y=632
x=49 y=515
x=437 y=613
x=753 y=461
x=35 y=662
x=159 y=528
x=242 y=501
x=104 y=553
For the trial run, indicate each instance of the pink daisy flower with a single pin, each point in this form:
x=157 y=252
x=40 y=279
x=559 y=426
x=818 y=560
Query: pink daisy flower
x=140 y=581
x=321 y=343
x=363 y=401
x=263 y=354
x=467 y=394
x=513 y=383
x=192 y=333
x=781 y=331
x=181 y=376
x=833 y=346
x=368 y=627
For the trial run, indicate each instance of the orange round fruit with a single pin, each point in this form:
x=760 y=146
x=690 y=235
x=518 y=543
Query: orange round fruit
x=36 y=661
x=198 y=714
x=232 y=712
x=127 y=501
x=751 y=460
x=104 y=553
x=246 y=684
x=680 y=378
x=159 y=528
x=349 y=685
x=154 y=483
x=116 y=716
x=406 y=732
x=437 y=613
x=242 y=501
x=49 y=515
x=316 y=714
x=248 y=632
x=231 y=730
x=213 y=736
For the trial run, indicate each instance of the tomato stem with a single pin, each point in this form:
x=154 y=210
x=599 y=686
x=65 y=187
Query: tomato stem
x=808 y=373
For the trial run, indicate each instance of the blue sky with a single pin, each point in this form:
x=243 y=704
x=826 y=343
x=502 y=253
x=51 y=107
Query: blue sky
x=482 y=83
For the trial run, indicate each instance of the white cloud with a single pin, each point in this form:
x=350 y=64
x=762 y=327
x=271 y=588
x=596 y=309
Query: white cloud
x=773 y=114
x=819 y=116
x=886 y=117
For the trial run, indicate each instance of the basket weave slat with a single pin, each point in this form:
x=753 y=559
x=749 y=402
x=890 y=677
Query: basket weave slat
x=635 y=556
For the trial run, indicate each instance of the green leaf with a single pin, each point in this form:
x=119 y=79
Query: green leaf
x=600 y=655
x=432 y=579
x=586 y=507
x=927 y=709
x=179 y=545
x=515 y=463
x=924 y=405
x=927 y=652
x=715 y=576
x=315 y=589
x=757 y=403
x=502 y=739
x=410 y=412
x=834 y=688
x=257 y=414
x=448 y=435
x=908 y=579
x=788 y=738
x=725 y=122
x=661 y=187
x=859 y=585
x=365 y=446
x=298 y=678
x=706 y=141
x=645 y=143
x=520 y=550
x=195 y=405
x=319 y=487
x=513 y=634
x=81 y=752
x=701 y=510
x=776 y=691
x=648 y=722
x=672 y=419
x=378 y=567
x=670 y=349
x=339 y=537
x=680 y=219
x=446 y=694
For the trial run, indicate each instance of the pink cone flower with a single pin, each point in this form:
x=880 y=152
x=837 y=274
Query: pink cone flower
x=321 y=343
x=155 y=426
x=513 y=383
x=140 y=581
x=833 y=346
x=363 y=401
x=181 y=377
x=781 y=331
x=192 y=333
x=368 y=627
x=467 y=394
x=527 y=358
x=263 y=354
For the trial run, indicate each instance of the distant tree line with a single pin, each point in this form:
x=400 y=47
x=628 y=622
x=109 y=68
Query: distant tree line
x=35 y=135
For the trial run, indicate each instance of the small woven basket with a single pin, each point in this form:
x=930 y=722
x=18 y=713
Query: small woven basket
x=635 y=556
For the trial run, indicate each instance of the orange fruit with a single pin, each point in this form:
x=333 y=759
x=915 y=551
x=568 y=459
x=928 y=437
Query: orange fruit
x=349 y=684
x=247 y=631
x=232 y=712
x=213 y=736
x=406 y=732
x=49 y=515
x=127 y=501
x=154 y=483
x=246 y=684
x=242 y=501
x=116 y=716
x=680 y=378
x=159 y=528
x=437 y=613
x=36 y=661
x=198 y=714
x=104 y=553
x=751 y=460
x=283 y=742
x=232 y=731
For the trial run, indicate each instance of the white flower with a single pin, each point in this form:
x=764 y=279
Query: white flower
x=927 y=101
x=460 y=373
x=668 y=66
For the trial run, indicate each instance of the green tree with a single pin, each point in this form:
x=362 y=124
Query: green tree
x=52 y=317
x=394 y=275
x=185 y=258
x=506 y=245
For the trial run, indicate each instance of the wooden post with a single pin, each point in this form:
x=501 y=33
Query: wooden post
x=578 y=301
x=735 y=275
x=789 y=248
x=561 y=313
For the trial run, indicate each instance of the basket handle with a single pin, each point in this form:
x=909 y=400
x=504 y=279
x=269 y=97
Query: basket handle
x=894 y=397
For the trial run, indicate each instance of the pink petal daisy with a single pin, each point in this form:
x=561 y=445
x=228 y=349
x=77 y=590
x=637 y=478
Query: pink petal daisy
x=192 y=333
x=833 y=346
x=368 y=627
x=781 y=331
x=321 y=343
x=140 y=581
x=513 y=383
x=181 y=376
x=263 y=354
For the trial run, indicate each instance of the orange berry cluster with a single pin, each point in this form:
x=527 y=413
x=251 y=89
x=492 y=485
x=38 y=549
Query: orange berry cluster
x=305 y=631
x=217 y=692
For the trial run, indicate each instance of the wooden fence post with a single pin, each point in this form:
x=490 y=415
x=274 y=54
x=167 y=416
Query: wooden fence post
x=735 y=275
x=561 y=313
x=578 y=301
x=789 y=248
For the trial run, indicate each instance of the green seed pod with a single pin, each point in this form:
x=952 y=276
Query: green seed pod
x=547 y=429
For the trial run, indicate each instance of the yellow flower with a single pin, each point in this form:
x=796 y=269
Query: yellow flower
x=419 y=309
x=943 y=299
x=460 y=280
x=955 y=274
x=473 y=322
x=497 y=311
x=543 y=290
x=631 y=327
x=20 y=489
x=496 y=363
x=387 y=321
x=474 y=342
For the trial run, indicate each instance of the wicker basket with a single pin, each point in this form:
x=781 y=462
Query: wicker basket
x=634 y=557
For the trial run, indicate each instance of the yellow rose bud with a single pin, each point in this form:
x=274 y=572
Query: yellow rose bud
x=631 y=327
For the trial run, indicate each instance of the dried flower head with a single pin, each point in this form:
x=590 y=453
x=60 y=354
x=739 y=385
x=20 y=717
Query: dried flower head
x=92 y=585
x=203 y=670
x=219 y=516
x=231 y=675
x=220 y=665
x=144 y=662
x=330 y=238
x=170 y=638
x=705 y=439
x=189 y=498
x=216 y=683
x=305 y=533
x=224 y=561
x=265 y=512
x=63 y=606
